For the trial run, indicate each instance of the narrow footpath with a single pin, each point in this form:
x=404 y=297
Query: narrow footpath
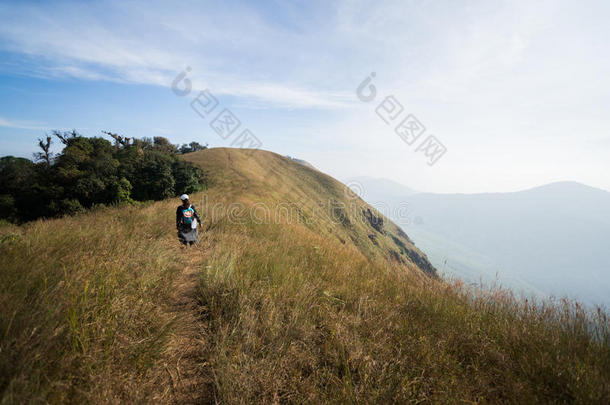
x=183 y=376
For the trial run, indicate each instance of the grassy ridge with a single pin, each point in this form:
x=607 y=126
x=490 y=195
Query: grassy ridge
x=291 y=311
x=271 y=189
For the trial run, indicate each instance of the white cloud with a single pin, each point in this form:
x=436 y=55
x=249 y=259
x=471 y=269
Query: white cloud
x=22 y=124
x=100 y=43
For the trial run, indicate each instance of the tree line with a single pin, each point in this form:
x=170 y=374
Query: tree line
x=93 y=171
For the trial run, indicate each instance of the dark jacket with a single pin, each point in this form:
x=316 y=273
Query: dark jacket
x=180 y=220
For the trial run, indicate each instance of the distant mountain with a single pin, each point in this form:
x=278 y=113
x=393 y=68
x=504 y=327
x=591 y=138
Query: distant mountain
x=379 y=189
x=549 y=240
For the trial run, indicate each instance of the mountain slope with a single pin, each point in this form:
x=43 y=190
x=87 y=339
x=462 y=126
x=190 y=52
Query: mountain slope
x=268 y=188
x=106 y=307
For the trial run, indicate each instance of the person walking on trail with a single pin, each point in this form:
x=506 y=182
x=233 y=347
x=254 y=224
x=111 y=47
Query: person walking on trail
x=187 y=220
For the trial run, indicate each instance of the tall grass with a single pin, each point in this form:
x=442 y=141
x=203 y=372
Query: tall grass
x=81 y=305
x=294 y=318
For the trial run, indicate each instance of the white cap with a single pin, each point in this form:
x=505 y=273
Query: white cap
x=184 y=197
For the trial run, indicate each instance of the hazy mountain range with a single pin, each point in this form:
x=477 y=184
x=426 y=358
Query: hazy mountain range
x=548 y=240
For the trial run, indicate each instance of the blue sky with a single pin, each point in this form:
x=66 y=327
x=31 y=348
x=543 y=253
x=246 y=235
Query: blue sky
x=517 y=92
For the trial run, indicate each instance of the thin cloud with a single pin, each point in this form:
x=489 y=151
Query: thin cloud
x=6 y=123
x=76 y=42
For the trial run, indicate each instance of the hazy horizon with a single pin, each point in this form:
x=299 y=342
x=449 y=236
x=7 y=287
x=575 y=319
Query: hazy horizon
x=349 y=181
x=547 y=241
x=515 y=93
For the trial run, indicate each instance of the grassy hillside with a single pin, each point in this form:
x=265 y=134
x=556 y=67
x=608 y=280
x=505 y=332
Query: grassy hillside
x=266 y=188
x=302 y=306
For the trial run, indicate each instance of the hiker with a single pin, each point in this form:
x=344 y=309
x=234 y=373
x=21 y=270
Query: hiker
x=187 y=221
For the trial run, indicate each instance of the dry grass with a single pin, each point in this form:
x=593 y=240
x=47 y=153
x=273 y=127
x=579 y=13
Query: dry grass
x=105 y=307
x=293 y=318
x=80 y=313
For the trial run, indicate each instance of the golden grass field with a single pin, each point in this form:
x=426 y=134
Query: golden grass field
x=287 y=299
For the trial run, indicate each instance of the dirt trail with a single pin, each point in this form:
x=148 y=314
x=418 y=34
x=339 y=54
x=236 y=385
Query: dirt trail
x=183 y=376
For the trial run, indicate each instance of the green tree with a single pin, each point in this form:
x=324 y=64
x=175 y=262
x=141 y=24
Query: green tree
x=17 y=175
x=164 y=145
x=189 y=178
x=154 y=180
x=88 y=171
x=92 y=171
x=192 y=147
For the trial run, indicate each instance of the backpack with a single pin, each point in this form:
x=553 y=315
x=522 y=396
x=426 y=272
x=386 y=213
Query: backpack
x=188 y=215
